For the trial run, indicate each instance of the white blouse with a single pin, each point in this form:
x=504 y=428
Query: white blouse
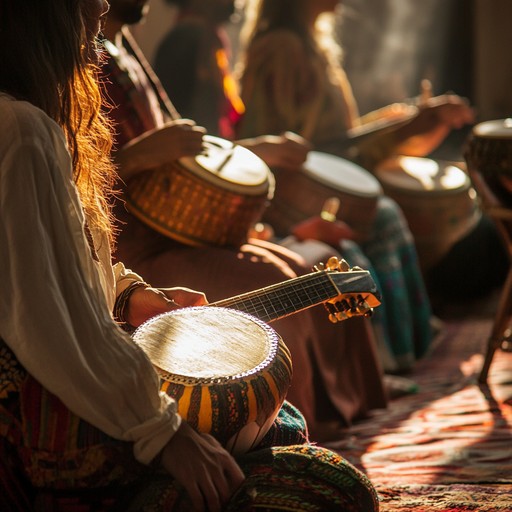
x=56 y=300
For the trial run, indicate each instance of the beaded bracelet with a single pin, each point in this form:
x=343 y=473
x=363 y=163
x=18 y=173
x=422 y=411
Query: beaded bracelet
x=121 y=304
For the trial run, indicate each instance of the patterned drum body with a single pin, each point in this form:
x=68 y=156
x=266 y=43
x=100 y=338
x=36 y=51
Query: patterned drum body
x=437 y=200
x=228 y=371
x=489 y=148
x=212 y=199
x=300 y=195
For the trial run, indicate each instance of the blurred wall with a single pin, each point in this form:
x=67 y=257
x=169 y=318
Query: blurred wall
x=391 y=45
x=493 y=58
x=159 y=20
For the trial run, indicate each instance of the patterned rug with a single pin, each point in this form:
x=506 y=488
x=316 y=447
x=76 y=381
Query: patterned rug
x=449 y=447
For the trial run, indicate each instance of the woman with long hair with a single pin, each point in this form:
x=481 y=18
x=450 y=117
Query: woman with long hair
x=84 y=424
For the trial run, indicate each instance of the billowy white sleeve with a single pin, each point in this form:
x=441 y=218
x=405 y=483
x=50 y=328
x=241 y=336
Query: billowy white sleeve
x=53 y=310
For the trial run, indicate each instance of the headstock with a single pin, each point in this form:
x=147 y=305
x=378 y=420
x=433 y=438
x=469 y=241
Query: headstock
x=357 y=295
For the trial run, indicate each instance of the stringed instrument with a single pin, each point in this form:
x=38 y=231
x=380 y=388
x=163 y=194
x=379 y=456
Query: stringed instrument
x=228 y=370
x=344 y=291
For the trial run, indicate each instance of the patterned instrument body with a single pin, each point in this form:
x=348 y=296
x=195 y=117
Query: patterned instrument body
x=228 y=371
x=212 y=199
x=300 y=195
x=489 y=148
x=437 y=200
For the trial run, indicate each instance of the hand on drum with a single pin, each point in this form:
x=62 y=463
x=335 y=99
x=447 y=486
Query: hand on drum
x=177 y=139
x=286 y=151
x=146 y=303
x=203 y=467
x=329 y=232
x=174 y=140
x=436 y=118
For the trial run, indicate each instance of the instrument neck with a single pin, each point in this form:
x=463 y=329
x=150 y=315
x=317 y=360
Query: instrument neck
x=283 y=299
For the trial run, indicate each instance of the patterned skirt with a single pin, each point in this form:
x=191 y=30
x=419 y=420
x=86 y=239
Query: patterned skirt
x=402 y=321
x=52 y=461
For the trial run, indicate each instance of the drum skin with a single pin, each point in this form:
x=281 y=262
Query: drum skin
x=301 y=194
x=212 y=199
x=437 y=200
x=228 y=371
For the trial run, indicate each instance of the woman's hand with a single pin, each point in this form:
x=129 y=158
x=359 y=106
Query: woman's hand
x=436 y=118
x=285 y=151
x=145 y=303
x=160 y=146
x=203 y=467
x=330 y=232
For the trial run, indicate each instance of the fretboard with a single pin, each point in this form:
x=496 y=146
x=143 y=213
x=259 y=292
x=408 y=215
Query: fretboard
x=283 y=299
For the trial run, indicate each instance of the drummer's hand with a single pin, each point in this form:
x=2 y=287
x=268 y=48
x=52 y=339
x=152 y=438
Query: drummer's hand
x=316 y=228
x=285 y=151
x=162 y=145
x=145 y=303
x=174 y=140
x=436 y=118
x=203 y=467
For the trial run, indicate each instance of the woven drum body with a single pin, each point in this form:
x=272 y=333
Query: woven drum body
x=212 y=199
x=302 y=194
x=489 y=148
x=228 y=371
x=437 y=200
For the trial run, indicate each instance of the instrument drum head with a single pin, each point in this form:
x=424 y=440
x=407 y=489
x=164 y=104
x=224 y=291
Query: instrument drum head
x=228 y=371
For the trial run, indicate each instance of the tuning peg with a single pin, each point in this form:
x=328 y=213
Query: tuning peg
x=341 y=315
x=344 y=266
x=333 y=263
x=362 y=307
x=319 y=267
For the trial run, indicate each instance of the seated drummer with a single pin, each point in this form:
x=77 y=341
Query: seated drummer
x=83 y=422
x=188 y=61
x=340 y=381
x=327 y=114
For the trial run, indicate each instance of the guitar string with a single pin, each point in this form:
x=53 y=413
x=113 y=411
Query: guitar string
x=277 y=303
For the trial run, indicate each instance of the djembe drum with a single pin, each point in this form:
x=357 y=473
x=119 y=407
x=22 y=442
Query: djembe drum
x=211 y=199
x=437 y=200
x=300 y=195
x=488 y=154
x=228 y=371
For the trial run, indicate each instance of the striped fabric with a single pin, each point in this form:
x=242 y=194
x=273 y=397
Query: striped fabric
x=74 y=467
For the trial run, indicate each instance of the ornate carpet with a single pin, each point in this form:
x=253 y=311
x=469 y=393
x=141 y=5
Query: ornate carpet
x=449 y=447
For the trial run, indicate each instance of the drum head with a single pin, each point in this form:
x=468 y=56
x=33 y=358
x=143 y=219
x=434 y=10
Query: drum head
x=420 y=175
x=341 y=175
x=203 y=345
x=496 y=129
x=230 y=166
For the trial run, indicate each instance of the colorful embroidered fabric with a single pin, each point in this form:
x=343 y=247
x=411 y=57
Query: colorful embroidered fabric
x=74 y=467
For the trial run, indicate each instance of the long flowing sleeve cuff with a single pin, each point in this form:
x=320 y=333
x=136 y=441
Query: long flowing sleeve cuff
x=152 y=436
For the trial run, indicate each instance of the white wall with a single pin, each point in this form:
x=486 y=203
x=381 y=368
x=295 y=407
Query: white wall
x=493 y=58
x=149 y=33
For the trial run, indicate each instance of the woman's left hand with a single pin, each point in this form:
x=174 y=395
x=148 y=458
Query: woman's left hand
x=146 y=303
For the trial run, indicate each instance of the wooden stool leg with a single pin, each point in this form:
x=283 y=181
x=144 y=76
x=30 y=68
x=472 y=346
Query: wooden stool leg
x=501 y=324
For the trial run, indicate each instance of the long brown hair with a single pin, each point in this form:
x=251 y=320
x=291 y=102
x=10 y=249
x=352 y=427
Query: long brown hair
x=45 y=60
x=266 y=15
